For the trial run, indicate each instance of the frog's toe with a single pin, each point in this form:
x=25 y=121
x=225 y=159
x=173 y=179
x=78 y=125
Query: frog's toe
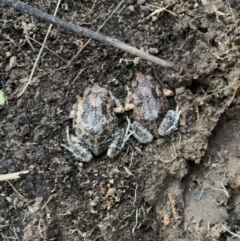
x=169 y=122
x=82 y=153
x=112 y=153
x=113 y=150
x=79 y=152
x=86 y=158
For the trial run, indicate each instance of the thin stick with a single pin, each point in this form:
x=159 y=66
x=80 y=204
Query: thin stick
x=234 y=234
x=16 y=234
x=94 y=3
x=135 y=195
x=64 y=60
x=15 y=189
x=49 y=199
x=39 y=54
x=88 y=33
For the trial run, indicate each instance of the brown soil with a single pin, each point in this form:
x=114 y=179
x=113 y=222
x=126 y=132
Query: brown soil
x=181 y=187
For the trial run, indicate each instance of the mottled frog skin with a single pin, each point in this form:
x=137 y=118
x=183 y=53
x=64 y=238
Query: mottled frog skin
x=152 y=114
x=96 y=125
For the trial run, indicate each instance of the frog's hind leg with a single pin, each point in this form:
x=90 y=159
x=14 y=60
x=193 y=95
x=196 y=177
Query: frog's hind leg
x=120 y=138
x=141 y=133
x=77 y=148
x=116 y=145
x=169 y=122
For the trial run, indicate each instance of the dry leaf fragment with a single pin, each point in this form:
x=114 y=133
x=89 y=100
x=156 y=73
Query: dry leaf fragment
x=111 y=191
x=11 y=176
x=168 y=92
x=12 y=63
x=128 y=171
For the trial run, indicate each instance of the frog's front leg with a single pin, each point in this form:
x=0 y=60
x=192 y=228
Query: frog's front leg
x=118 y=109
x=128 y=105
x=77 y=148
x=169 y=122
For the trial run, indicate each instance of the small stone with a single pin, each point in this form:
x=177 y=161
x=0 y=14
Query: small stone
x=153 y=51
x=93 y=204
x=12 y=63
x=8 y=54
x=131 y=8
x=111 y=181
x=111 y=191
x=154 y=18
x=9 y=199
x=166 y=220
x=196 y=5
x=140 y=2
x=152 y=29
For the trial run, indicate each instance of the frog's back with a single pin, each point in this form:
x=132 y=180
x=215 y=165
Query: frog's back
x=96 y=122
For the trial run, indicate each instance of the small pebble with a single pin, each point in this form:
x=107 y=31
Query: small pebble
x=154 y=18
x=8 y=54
x=131 y=8
x=9 y=199
x=93 y=204
x=140 y=2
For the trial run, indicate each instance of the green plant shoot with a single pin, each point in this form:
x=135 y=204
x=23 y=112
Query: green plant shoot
x=2 y=99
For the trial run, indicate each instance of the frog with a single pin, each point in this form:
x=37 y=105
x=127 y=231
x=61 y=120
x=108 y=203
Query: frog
x=152 y=114
x=96 y=125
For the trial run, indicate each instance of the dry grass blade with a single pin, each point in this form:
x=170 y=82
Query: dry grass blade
x=157 y=12
x=39 y=54
x=51 y=51
x=12 y=176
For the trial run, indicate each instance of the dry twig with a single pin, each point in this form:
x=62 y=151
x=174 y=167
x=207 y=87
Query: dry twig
x=234 y=234
x=15 y=190
x=158 y=11
x=88 y=33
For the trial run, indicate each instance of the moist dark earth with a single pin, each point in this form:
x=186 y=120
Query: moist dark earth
x=181 y=187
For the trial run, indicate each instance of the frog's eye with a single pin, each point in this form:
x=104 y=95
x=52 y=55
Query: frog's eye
x=86 y=92
x=134 y=84
x=134 y=99
x=159 y=91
